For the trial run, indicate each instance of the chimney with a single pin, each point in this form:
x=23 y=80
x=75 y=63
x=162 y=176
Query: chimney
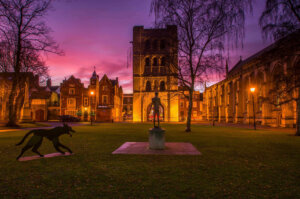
x=49 y=83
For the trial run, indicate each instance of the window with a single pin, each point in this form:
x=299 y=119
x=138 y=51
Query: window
x=104 y=99
x=163 y=61
x=38 y=101
x=148 y=86
x=195 y=113
x=71 y=112
x=155 y=44
x=155 y=62
x=104 y=88
x=181 y=104
x=71 y=91
x=147 y=44
x=162 y=86
x=194 y=104
x=162 y=44
x=71 y=102
x=147 y=61
x=86 y=101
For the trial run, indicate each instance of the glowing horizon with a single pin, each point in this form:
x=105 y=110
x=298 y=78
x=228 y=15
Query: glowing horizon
x=97 y=33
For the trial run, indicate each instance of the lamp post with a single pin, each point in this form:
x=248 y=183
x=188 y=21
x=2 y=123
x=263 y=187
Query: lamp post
x=252 y=91
x=91 y=111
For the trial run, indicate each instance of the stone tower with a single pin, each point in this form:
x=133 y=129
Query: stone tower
x=155 y=59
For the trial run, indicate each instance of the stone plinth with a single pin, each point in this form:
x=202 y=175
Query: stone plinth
x=171 y=148
x=156 y=138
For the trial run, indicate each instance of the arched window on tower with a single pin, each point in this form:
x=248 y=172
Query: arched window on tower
x=147 y=44
x=155 y=67
x=155 y=62
x=162 y=44
x=155 y=44
x=163 y=61
x=148 y=86
x=147 y=66
x=162 y=86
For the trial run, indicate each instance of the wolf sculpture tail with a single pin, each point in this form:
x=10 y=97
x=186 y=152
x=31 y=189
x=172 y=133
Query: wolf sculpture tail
x=30 y=132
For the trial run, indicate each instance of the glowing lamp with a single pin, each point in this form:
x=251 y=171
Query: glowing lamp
x=92 y=93
x=85 y=108
x=252 y=90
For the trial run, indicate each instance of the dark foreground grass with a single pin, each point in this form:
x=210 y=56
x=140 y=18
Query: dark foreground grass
x=235 y=163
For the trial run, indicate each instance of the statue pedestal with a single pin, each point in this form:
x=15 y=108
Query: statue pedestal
x=156 y=138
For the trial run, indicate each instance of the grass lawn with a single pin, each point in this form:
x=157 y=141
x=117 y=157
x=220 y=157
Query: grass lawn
x=235 y=163
x=27 y=125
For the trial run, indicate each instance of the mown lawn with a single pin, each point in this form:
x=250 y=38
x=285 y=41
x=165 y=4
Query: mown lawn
x=235 y=163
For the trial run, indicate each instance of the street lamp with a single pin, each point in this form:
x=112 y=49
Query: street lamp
x=252 y=90
x=91 y=111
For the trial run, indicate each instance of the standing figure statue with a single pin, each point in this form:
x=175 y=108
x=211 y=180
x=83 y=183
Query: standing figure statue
x=156 y=104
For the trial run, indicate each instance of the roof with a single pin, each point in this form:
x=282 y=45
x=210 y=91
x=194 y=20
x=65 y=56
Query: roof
x=293 y=38
x=40 y=95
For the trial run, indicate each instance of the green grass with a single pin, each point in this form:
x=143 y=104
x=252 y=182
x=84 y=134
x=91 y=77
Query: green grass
x=235 y=163
x=27 y=125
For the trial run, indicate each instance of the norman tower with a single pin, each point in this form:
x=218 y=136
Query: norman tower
x=154 y=69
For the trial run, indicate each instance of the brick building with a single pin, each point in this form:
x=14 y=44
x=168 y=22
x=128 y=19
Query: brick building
x=102 y=100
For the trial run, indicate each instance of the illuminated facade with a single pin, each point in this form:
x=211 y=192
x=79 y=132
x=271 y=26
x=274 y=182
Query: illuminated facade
x=102 y=100
x=231 y=101
x=152 y=51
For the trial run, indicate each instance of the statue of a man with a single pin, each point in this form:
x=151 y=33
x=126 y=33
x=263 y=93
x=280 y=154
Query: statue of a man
x=156 y=104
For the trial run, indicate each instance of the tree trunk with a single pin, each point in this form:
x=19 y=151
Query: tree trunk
x=189 y=116
x=298 y=117
x=12 y=114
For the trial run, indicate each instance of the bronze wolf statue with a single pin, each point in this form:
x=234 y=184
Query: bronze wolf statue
x=51 y=134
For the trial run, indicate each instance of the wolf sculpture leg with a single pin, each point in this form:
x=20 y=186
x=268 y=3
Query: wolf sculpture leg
x=36 y=147
x=56 y=146
x=32 y=142
x=65 y=147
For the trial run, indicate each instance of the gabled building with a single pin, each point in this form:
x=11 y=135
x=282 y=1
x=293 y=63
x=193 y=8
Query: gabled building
x=101 y=101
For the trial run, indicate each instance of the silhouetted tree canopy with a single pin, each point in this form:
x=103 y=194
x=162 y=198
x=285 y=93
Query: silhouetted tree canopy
x=279 y=18
x=23 y=36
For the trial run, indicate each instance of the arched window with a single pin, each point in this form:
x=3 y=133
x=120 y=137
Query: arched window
x=147 y=61
x=155 y=62
x=163 y=61
x=147 y=44
x=162 y=86
x=148 y=86
x=155 y=44
x=162 y=44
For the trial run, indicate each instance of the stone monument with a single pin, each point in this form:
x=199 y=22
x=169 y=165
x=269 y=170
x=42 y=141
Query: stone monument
x=156 y=134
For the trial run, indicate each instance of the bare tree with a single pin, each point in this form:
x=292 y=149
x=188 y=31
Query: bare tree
x=279 y=18
x=22 y=29
x=205 y=28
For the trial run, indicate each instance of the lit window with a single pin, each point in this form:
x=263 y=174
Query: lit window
x=195 y=113
x=162 y=86
x=181 y=104
x=71 y=91
x=148 y=86
x=194 y=104
x=104 y=99
x=86 y=101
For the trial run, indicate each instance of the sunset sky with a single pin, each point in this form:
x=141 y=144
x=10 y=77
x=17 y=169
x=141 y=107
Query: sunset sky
x=98 y=32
